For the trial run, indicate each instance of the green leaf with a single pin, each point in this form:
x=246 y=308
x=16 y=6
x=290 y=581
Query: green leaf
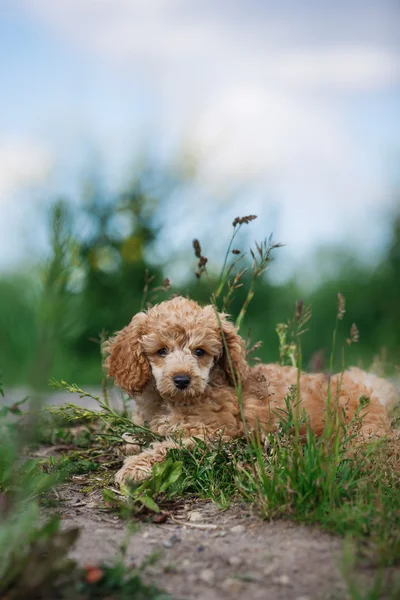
x=149 y=503
x=175 y=472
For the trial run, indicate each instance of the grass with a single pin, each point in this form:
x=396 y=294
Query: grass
x=34 y=549
x=289 y=473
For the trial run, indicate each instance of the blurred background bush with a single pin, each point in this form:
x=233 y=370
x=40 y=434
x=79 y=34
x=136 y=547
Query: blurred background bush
x=129 y=128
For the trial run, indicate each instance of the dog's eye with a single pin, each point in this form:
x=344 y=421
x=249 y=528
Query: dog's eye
x=162 y=352
x=199 y=352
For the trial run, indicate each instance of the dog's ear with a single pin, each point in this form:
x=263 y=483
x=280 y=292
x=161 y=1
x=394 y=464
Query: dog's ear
x=126 y=362
x=234 y=354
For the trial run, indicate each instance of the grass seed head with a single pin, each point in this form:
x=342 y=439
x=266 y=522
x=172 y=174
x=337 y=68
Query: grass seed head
x=354 y=335
x=202 y=261
x=299 y=309
x=197 y=248
x=201 y=264
x=241 y=220
x=341 y=306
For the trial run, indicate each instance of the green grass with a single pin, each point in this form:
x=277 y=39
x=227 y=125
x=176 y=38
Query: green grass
x=34 y=560
x=304 y=480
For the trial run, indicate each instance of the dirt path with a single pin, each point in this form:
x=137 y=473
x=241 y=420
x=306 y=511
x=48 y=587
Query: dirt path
x=210 y=554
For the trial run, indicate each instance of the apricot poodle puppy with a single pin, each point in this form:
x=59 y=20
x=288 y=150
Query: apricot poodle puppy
x=182 y=362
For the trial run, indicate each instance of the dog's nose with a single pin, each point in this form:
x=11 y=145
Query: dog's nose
x=181 y=381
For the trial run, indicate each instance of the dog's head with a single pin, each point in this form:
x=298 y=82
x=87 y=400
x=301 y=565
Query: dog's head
x=176 y=344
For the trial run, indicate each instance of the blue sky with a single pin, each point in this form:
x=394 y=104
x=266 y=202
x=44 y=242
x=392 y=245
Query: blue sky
x=294 y=103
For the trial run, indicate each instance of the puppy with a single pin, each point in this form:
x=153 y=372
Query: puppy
x=184 y=363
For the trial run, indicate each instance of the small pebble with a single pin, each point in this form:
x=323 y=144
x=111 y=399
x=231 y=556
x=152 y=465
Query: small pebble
x=219 y=534
x=168 y=543
x=200 y=548
x=238 y=529
x=207 y=575
x=233 y=585
x=282 y=580
x=269 y=569
x=195 y=516
x=235 y=561
x=175 y=539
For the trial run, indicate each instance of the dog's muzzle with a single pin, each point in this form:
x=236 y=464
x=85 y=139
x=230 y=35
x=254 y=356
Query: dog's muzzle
x=181 y=381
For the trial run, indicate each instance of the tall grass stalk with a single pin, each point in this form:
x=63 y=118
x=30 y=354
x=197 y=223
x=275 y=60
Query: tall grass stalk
x=55 y=297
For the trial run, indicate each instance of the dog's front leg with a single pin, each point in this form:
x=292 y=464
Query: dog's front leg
x=137 y=468
x=130 y=447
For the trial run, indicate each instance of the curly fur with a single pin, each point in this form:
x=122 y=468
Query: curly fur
x=126 y=362
x=209 y=405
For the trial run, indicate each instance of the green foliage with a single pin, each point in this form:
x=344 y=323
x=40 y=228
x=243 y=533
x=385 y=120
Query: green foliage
x=116 y=581
x=116 y=423
x=34 y=560
x=32 y=555
x=380 y=587
x=18 y=327
x=142 y=495
x=213 y=470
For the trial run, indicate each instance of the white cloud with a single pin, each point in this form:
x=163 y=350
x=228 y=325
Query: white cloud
x=23 y=163
x=249 y=133
x=340 y=67
x=201 y=41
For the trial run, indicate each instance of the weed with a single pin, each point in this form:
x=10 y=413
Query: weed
x=116 y=581
x=141 y=495
x=373 y=587
x=32 y=555
x=34 y=560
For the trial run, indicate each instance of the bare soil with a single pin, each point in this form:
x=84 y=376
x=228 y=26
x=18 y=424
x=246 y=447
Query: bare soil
x=203 y=553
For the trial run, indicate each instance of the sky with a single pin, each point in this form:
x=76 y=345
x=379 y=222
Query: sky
x=289 y=109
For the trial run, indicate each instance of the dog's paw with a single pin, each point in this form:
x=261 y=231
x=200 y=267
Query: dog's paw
x=133 y=471
x=130 y=447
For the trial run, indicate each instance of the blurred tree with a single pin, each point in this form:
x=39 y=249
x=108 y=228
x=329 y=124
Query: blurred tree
x=113 y=255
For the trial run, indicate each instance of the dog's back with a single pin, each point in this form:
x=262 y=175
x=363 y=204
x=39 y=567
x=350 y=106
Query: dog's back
x=346 y=389
x=384 y=390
